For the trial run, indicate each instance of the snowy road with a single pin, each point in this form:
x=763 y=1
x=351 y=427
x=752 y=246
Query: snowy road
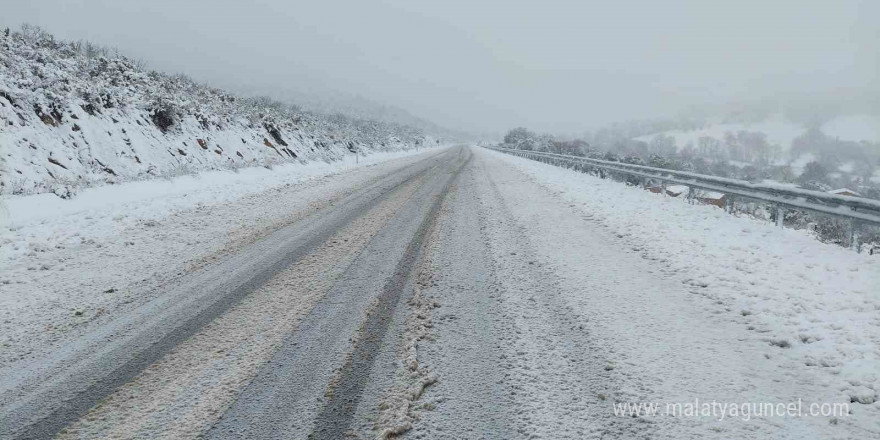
x=451 y=294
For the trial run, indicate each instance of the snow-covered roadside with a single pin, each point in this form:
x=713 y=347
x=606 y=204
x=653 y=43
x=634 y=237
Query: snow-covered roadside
x=67 y=263
x=35 y=223
x=809 y=309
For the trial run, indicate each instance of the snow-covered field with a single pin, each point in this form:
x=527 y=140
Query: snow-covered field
x=781 y=131
x=778 y=130
x=764 y=312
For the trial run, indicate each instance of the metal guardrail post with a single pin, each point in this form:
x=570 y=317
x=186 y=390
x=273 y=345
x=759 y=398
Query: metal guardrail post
x=779 y=213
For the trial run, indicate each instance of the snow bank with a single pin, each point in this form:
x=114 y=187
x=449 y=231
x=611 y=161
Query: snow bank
x=38 y=222
x=814 y=305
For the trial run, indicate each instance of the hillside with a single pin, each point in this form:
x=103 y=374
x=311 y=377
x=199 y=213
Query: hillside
x=780 y=130
x=72 y=114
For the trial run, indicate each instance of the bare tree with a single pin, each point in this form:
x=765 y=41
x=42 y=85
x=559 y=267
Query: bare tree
x=709 y=147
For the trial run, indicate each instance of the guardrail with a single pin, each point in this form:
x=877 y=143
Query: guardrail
x=859 y=211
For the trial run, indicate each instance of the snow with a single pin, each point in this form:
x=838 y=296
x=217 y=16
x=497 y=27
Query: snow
x=677 y=189
x=799 y=316
x=711 y=195
x=779 y=131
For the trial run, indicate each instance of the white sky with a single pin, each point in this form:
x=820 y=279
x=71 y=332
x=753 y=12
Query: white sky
x=485 y=66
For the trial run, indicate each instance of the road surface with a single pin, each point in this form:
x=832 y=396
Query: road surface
x=425 y=302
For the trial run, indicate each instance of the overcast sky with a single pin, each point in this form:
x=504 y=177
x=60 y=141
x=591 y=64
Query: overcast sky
x=558 y=66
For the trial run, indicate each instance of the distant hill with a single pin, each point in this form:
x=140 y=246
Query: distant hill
x=330 y=102
x=780 y=130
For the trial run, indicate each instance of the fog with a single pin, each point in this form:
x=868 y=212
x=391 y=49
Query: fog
x=555 y=66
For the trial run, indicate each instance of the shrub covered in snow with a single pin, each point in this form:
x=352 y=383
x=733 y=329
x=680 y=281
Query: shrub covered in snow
x=73 y=114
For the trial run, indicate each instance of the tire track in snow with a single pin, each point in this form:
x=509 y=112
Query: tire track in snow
x=565 y=384
x=463 y=351
x=313 y=383
x=188 y=389
x=41 y=408
x=513 y=360
x=336 y=416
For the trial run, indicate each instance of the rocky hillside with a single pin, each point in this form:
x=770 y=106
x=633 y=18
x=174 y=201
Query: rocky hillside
x=73 y=114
